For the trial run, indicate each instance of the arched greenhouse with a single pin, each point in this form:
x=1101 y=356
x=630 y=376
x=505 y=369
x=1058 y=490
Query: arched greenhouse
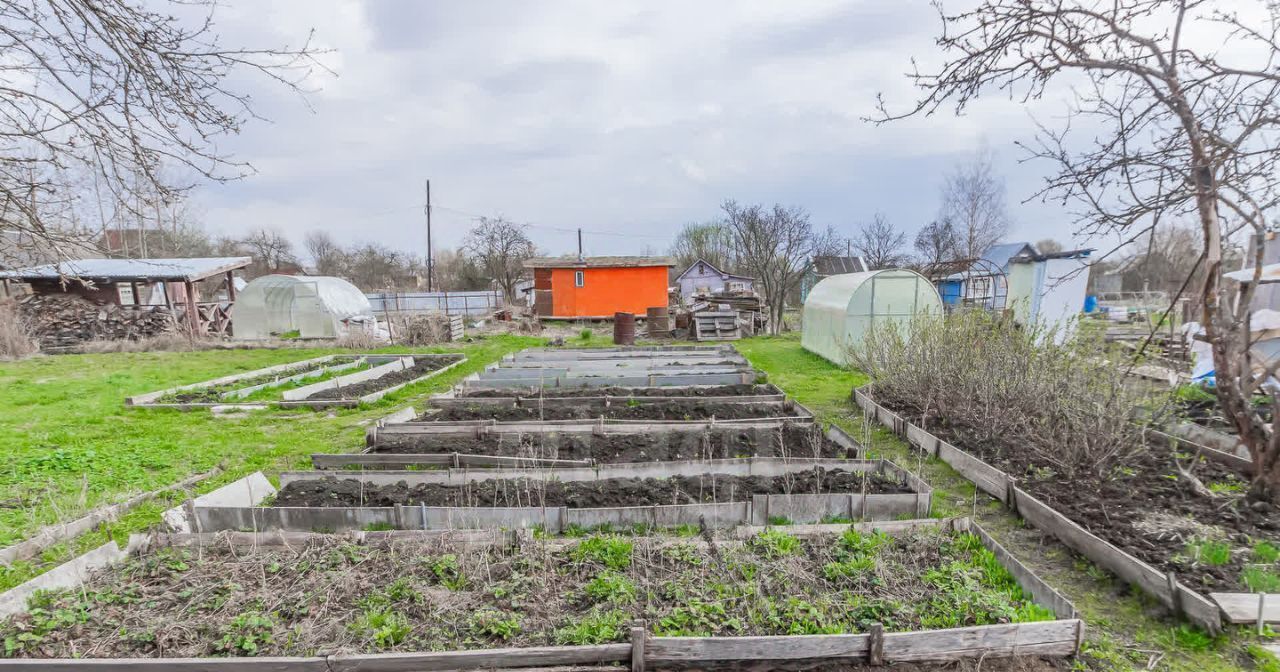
x=841 y=309
x=300 y=306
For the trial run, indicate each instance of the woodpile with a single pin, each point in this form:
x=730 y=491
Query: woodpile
x=426 y=329
x=63 y=320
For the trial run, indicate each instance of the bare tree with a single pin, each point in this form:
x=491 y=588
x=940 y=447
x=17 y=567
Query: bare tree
x=271 y=252
x=879 y=244
x=710 y=241
x=936 y=242
x=499 y=247
x=1048 y=246
x=1176 y=127
x=775 y=246
x=104 y=95
x=375 y=266
x=457 y=272
x=973 y=202
x=327 y=256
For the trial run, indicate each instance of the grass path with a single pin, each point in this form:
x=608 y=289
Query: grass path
x=68 y=444
x=1126 y=630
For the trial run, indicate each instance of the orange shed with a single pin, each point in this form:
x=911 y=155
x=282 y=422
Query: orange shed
x=598 y=287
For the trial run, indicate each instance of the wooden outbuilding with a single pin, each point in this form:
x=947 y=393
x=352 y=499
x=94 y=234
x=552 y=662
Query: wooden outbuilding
x=598 y=287
x=198 y=290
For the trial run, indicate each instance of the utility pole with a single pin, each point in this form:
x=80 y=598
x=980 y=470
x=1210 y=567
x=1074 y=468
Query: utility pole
x=579 y=244
x=431 y=271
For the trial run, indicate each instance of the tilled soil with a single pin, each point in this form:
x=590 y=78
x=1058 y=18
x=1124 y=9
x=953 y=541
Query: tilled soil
x=421 y=367
x=620 y=411
x=336 y=597
x=611 y=492
x=790 y=440
x=1142 y=507
x=214 y=393
x=738 y=390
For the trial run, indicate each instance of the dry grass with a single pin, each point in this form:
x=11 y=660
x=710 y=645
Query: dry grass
x=16 y=340
x=172 y=341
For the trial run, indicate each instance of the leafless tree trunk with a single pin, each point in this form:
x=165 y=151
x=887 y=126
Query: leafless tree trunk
x=500 y=248
x=879 y=244
x=937 y=242
x=113 y=92
x=270 y=250
x=327 y=256
x=711 y=242
x=774 y=245
x=1177 y=128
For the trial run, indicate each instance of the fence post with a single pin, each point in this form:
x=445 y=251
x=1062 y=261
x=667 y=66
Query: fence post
x=875 y=644
x=637 y=646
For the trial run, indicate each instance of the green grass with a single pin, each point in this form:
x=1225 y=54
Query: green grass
x=1123 y=631
x=69 y=445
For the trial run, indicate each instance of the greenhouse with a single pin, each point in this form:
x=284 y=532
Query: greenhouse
x=841 y=309
x=301 y=307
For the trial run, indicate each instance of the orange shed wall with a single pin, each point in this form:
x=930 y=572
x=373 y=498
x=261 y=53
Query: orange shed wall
x=606 y=291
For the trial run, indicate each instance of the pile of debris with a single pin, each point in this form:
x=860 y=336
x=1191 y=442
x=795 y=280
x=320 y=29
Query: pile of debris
x=426 y=329
x=64 y=320
x=726 y=316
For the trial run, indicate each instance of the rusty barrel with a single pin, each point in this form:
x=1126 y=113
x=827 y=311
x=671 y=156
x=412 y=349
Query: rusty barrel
x=659 y=321
x=624 y=329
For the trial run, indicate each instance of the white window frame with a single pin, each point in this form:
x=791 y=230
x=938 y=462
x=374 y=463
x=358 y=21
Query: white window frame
x=579 y=278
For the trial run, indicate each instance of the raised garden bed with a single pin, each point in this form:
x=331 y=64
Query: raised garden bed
x=689 y=409
x=335 y=380
x=1138 y=521
x=539 y=394
x=617 y=444
x=916 y=591
x=713 y=493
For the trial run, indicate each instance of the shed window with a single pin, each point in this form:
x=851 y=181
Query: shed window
x=578 y=279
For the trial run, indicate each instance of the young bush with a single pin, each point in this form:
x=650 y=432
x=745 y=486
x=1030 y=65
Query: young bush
x=16 y=341
x=997 y=384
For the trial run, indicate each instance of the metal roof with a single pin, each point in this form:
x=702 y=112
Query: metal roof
x=114 y=270
x=597 y=262
x=1001 y=254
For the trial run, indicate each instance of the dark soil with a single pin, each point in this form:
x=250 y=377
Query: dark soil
x=622 y=411
x=1142 y=507
x=214 y=393
x=738 y=390
x=421 y=367
x=705 y=488
x=727 y=442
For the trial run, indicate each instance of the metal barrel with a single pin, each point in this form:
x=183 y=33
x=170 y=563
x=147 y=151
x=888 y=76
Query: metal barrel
x=624 y=329
x=659 y=321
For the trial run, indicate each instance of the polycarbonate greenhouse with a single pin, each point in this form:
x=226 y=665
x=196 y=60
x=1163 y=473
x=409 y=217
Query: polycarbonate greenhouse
x=841 y=309
x=311 y=306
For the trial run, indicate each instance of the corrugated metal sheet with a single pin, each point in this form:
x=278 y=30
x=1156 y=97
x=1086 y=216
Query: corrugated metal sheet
x=193 y=268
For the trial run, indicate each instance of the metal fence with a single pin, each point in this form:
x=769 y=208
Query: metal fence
x=450 y=303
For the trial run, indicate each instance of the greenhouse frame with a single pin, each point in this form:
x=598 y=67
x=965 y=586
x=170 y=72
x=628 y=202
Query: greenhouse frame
x=841 y=309
x=301 y=307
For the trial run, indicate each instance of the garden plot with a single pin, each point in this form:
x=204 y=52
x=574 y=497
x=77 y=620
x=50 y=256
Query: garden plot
x=916 y=591
x=657 y=408
x=615 y=368
x=715 y=493
x=335 y=380
x=534 y=395
x=485 y=446
x=1141 y=520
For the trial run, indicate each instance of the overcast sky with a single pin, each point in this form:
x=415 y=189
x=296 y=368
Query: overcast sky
x=626 y=119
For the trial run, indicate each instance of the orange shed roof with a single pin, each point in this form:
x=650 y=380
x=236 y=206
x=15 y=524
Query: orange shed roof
x=597 y=262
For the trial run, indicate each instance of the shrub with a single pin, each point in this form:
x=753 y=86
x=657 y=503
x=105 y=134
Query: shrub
x=1015 y=390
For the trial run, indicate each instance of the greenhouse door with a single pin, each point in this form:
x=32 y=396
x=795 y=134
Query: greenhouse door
x=893 y=298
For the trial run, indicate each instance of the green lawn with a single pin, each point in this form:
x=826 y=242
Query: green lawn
x=68 y=444
x=1124 y=632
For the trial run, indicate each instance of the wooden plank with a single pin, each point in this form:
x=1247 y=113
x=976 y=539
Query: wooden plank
x=146 y=399
x=482 y=659
x=379 y=394
x=263 y=664
x=1054 y=638
x=1039 y=590
x=1243 y=607
x=398 y=364
x=988 y=479
x=402 y=460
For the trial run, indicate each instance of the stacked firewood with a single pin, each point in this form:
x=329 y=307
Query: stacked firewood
x=61 y=320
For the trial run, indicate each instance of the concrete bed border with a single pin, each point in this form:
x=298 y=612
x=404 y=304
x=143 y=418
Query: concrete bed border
x=368 y=458
x=1164 y=587
x=1060 y=637
x=798 y=413
x=148 y=400
x=533 y=401
x=476 y=382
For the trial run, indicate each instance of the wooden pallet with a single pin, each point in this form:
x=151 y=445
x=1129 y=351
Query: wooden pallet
x=716 y=326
